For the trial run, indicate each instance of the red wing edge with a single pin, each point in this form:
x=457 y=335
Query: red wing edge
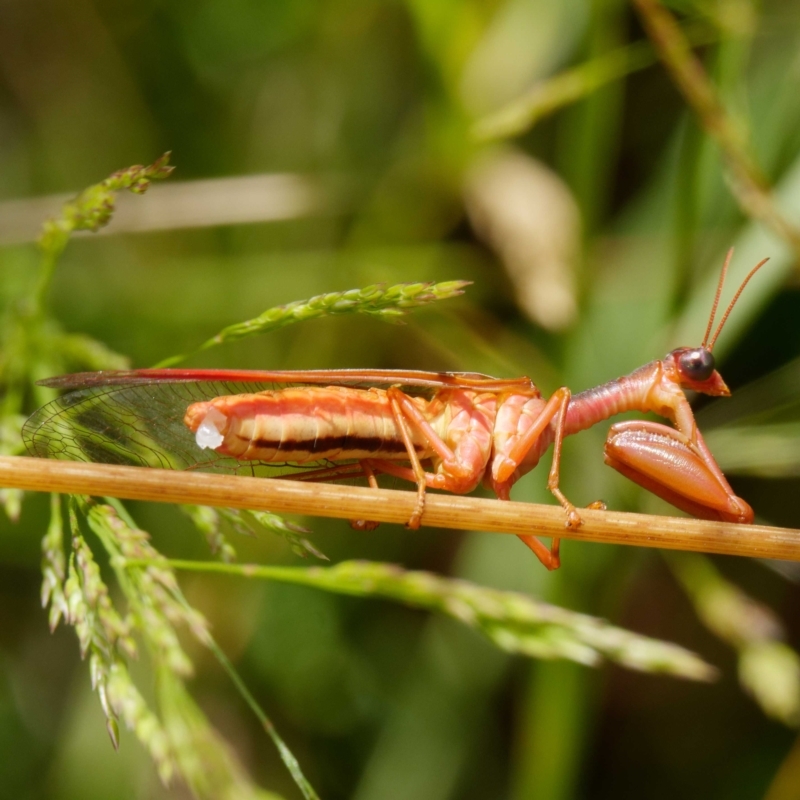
x=467 y=380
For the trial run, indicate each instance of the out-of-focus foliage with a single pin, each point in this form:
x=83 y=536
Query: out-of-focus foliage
x=595 y=253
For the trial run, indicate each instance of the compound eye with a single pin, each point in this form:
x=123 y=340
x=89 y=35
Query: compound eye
x=697 y=365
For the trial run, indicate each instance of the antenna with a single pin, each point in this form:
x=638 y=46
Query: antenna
x=722 y=275
x=739 y=291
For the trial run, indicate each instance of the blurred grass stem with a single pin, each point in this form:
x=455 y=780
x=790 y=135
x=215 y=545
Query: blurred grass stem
x=749 y=185
x=383 y=505
x=548 y=96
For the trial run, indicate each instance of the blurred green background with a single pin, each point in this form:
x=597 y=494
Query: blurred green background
x=593 y=230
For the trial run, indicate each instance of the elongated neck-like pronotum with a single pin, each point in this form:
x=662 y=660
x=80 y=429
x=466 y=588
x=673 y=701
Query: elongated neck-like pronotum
x=659 y=386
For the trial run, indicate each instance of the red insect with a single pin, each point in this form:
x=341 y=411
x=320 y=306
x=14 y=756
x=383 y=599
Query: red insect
x=447 y=431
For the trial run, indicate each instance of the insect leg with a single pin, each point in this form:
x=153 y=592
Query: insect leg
x=432 y=480
x=339 y=472
x=415 y=416
x=549 y=557
x=366 y=524
x=676 y=468
x=370 y=473
x=573 y=518
x=460 y=469
x=419 y=473
x=561 y=397
x=506 y=464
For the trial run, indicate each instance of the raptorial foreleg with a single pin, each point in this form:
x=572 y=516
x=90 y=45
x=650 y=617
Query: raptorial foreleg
x=676 y=468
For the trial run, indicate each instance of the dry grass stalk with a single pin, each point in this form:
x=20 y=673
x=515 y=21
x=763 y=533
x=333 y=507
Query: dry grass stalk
x=384 y=505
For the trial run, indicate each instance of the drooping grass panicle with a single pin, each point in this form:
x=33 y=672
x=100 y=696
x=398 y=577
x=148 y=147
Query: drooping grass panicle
x=289 y=531
x=514 y=622
x=388 y=302
x=32 y=345
x=158 y=605
x=209 y=521
x=181 y=741
x=90 y=593
x=205 y=760
x=90 y=211
x=104 y=636
x=11 y=444
x=148 y=591
x=213 y=522
x=54 y=565
x=287 y=757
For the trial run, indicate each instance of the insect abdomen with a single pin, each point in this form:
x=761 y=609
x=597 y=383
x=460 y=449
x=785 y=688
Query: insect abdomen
x=304 y=424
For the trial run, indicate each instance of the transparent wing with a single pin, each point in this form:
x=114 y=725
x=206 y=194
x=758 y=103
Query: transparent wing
x=136 y=425
x=135 y=418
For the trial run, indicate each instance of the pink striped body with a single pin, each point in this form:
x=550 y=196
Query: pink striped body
x=302 y=425
x=310 y=424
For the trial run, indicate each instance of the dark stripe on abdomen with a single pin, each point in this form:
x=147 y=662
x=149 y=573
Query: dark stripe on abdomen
x=364 y=444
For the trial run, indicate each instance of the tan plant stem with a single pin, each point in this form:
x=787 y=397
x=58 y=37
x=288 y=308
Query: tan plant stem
x=383 y=505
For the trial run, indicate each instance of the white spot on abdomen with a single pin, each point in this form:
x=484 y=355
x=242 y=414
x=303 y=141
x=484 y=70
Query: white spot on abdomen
x=209 y=432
